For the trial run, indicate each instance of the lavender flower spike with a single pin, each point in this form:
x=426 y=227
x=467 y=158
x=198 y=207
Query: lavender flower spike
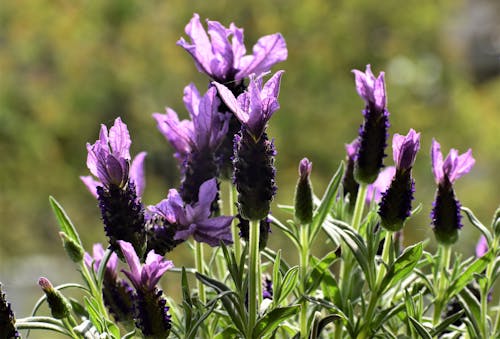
x=304 y=193
x=395 y=206
x=373 y=133
x=349 y=185
x=254 y=107
x=445 y=214
x=151 y=312
x=7 y=319
x=224 y=60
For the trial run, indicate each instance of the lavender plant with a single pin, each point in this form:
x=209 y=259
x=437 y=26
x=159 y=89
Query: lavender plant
x=367 y=285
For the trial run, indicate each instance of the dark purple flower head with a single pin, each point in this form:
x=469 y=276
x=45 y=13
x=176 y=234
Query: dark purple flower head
x=205 y=130
x=373 y=133
x=7 y=319
x=93 y=262
x=256 y=105
x=371 y=89
x=405 y=149
x=109 y=160
x=453 y=167
x=194 y=219
x=481 y=247
x=145 y=276
x=349 y=185
x=222 y=55
x=445 y=214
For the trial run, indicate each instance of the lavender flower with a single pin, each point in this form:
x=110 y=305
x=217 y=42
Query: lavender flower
x=151 y=312
x=254 y=172
x=481 y=247
x=197 y=140
x=349 y=184
x=224 y=60
x=303 y=193
x=7 y=319
x=445 y=214
x=374 y=191
x=395 y=206
x=117 y=293
x=119 y=187
x=373 y=133
x=187 y=220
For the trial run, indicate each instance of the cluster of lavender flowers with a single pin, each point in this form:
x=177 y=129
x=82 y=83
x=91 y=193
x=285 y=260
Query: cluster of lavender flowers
x=225 y=143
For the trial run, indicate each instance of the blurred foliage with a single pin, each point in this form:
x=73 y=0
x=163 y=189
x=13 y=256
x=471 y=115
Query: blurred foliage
x=67 y=66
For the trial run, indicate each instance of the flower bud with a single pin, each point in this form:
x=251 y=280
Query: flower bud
x=59 y=305
x=74 y=251
x=303 y=193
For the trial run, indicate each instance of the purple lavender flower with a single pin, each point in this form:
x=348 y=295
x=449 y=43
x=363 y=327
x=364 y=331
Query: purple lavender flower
x=395 y=206
x=373 y=133
x=445 y=214
x=224 y=60
x=349 y=184
x=304 y=194
x=151 y=312
x=119 y=187
x=7 y=319
x=197 y=140
x=191 y=219
x=117 y=293
x=254 y=172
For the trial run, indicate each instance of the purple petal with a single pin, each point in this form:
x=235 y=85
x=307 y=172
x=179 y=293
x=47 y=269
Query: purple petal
x=191 y=99
x=178 y=133
x=214 y=230
x=374 y=191
x=154 y=268
x=185 y=233
x=133 y=262
x=200 y=47
x=91 y=184
x=119 y=139
x=437 y=161
x=352 y=148
x=405 y=149
x=207 y=193
x=91 y=159
x=481 y=247
x=222 y=62
x=369 y=88
x=237 y=45
x=231 y=102
x=462 y=165
x=268 y=51
x=137 y=173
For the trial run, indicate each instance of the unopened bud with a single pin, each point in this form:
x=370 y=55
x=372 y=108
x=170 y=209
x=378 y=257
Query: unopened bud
x=73 y=249
x=496 y=223
x=59 y=305
x=303 y=193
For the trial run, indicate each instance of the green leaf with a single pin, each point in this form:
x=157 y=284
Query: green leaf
x=64 y=222
x=471 y=306
x=272 y=320
x=463 y=279
x=102 y=268
x=443 y=325
x=113 y=329
x=228 y=333
x=129 y=335
x=320 y=323
x=289 y=282
x=319 y=269
x=327 y=202
x=403 y=266
x=421 y=330
x=477 y=224
x=94 y=315
x=287 y=231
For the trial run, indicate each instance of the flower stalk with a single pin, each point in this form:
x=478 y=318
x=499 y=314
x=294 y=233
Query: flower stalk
x=253 y=275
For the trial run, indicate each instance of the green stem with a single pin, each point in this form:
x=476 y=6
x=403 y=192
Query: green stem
x=304 y=259
x=485 y=292
x=94 y=291
x=232 y=211
x=386 y=256
x=359 y=207
x=198 y=249
x=253 y=276
x=442 y=283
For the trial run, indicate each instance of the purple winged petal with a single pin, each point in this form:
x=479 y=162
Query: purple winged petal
x=137 y=173
x=119 y=139
x=91 y=184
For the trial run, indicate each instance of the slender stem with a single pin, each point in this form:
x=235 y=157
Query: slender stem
x=304 y=259
x=253 y=276
x=198 y=249
x=94 y=290
x=442 y=283
x=359 y=207
x=232 y=211
x=484 y=293
x=386 y=254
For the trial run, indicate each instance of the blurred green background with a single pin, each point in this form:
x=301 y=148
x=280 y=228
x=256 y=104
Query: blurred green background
x=68 y=66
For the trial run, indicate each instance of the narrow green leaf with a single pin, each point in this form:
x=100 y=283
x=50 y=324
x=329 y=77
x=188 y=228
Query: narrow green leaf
x=319 y=269
x=272 y=320
x=477 y=224
x=129 y=335
x=289 y=282
x=95 y=317
x=327 y=201
x=102 y=268
x=287 y=231
x=403 y=266
x=277 y=278
x=64 y=222
x=319 y=324
x=463 y=279
x=41 y=326
x=443 y=325
x=471 y=306
x=422 y=331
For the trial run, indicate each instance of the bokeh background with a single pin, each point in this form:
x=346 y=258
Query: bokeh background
x=68 y=66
